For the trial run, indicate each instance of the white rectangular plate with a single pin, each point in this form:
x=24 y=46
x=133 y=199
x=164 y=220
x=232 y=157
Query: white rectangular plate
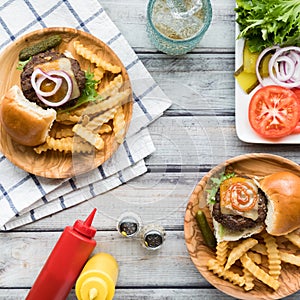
x=243 y=128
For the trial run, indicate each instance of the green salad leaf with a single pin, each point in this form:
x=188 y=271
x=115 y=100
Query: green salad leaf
x=215 y=183
x=22 y=64
x=269 y=22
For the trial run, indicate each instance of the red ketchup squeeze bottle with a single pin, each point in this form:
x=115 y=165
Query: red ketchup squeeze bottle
x=65 y=262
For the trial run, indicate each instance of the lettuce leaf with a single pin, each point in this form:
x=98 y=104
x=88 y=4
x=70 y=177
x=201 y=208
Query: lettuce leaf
x=269 y=22
x=215 y=183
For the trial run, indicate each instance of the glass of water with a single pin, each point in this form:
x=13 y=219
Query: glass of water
x=175 y=27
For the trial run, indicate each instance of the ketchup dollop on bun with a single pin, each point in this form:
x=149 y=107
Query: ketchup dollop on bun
x=26 y=122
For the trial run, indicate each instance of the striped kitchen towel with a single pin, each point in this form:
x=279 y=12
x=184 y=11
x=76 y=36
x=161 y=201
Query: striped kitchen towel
x=25 y=197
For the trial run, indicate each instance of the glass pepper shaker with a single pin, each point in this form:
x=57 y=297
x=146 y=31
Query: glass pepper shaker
x=153 y=236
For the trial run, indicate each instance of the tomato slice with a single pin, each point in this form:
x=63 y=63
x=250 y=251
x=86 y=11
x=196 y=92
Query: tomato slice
x=297 y=92
x=274 y=111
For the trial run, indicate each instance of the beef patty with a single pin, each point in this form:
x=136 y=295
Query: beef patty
x=237 y=222
x=45 y=57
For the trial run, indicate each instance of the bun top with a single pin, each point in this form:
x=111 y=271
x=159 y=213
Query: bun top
x=283 y=192
x=27 y=123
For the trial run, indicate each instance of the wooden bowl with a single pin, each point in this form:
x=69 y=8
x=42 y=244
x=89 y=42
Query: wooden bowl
x=55 y=164
x=248 y=165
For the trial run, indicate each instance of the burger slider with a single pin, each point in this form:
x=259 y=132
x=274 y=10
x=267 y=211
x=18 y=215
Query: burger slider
x=50 y=81
x=244 y=206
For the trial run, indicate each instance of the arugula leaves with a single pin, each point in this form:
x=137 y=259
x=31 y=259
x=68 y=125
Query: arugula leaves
x=269 y=22
x=215 y=184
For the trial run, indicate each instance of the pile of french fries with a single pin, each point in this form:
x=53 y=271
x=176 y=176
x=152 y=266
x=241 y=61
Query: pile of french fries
x=256 y=258
x=81 y=130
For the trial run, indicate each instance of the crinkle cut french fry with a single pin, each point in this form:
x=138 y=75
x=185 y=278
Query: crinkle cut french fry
x=42 y=148
x=115 y=100
x=102 y=118
x=67 y=118
x=94 y=58
x=222 y=252
x=219 y=270
x=273 y=255
x=63 y=145
x=260 y=248
x=61 y=131
x=93 y=138
x=290 y=258
x=119 y=125
x=293 y=238
x=112 y=87
x=249 y=280
x=259 y=273
x=105 y=128
x=98 y=75
x=238 y=251
x=256 y=257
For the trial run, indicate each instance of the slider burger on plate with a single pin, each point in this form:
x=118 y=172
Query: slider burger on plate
x=243 y=206
x=50 y=81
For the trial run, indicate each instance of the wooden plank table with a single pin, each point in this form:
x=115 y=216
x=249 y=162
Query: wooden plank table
x=194 y=135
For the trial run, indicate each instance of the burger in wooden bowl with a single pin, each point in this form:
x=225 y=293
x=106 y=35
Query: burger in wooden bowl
x=66 y=102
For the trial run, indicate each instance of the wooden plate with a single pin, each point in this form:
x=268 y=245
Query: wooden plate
x=249 y=165
x=54 y=164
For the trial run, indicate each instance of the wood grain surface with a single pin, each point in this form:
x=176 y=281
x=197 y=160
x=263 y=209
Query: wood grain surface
x=55 y=164
x=251 y=165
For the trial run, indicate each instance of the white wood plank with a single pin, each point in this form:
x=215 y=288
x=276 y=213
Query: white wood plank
x=142 y=294
x=204 y=141
x=196 y=83
x=25 y=253
x=155 y=197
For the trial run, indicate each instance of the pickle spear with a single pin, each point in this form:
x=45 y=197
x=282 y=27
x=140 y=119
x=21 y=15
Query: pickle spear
x=42 y=46
x=207 y=234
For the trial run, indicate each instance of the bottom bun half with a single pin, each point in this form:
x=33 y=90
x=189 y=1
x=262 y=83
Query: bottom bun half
x=224 y=234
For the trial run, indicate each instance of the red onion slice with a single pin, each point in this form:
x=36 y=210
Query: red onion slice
x=284 y=68
x=259 y=59
x=57 y=77
x=285 y=62
x=282 y=55
x=38 y=76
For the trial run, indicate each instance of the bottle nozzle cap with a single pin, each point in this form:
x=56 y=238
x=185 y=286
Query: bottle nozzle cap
x=84 y=227
x=89 y=220
x=94 y=288
x=93 y=293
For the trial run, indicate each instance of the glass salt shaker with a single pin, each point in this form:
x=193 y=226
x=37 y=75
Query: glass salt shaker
x=175 y=27
x=129 y=224
x=153 y=236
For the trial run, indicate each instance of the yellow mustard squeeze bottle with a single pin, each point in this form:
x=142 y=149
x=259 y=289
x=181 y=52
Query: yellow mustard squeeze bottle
x=98 y=278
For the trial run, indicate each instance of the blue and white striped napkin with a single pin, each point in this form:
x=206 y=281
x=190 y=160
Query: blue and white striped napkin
x=25 y=197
